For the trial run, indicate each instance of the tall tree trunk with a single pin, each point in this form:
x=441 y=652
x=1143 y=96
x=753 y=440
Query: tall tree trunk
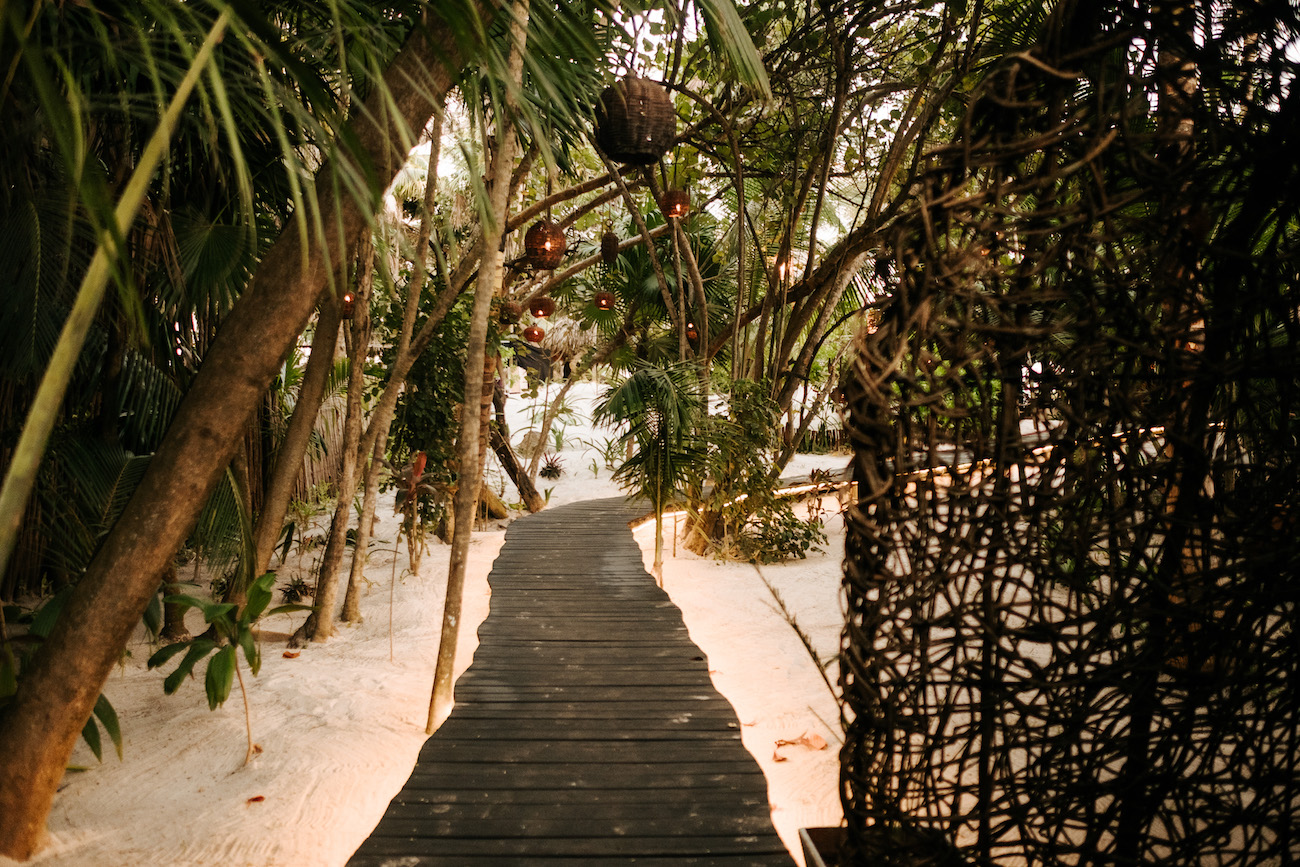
x=485 y=418
x=382 y=419
x=500 y=434
x=467 y=448
x=297 y=436
x=352 y=598
x=58 y=691
x=319 y=625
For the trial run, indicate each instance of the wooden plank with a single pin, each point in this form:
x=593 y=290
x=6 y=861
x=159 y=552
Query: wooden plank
x=740 y=775
x=588 y=810
x=719 y=799
x=415 y=822
x=519 y=752
x=589 y=847
x=596 y=732
x=407 y=860
x=717 y=711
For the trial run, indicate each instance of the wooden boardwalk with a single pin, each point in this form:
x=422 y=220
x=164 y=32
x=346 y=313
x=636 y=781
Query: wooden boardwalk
x=586 y=731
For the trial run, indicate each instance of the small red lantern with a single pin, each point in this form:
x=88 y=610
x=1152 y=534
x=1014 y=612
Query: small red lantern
x=542 y=306
x=349 y=308
x=609 y=248
x=692 y=333
x=545 y=245
x=676 y=203
x=533 y=334
x=604 y=300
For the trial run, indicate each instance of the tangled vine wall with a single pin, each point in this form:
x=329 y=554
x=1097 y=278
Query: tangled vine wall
x=1071 y=572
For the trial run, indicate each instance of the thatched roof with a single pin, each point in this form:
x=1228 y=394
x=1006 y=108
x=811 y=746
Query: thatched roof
x=565 y=337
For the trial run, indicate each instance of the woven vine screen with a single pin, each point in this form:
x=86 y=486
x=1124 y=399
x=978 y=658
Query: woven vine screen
x=1071 y=572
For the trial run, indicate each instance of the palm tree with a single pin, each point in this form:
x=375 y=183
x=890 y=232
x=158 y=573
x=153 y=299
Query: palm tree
x=662 y=408
x=58 y=691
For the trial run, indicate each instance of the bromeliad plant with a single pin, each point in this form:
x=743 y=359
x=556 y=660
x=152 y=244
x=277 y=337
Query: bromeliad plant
x=234 y=626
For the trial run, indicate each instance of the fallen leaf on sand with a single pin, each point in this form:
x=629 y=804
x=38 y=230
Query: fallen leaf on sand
x=291 y=654
x=257 y=799
x=812 y=741
x=777 y=757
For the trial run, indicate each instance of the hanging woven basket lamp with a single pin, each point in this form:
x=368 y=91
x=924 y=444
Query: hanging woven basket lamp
x=635 y=121
x=542 y=306
x=692 y=333
x=604 y=300
x=349 y=308
x=676 y=203
x=545 y=245
x=609 y=248
x=533 y=334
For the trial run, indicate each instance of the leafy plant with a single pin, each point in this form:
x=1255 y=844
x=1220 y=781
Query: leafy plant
x=234 y=626
x=736 y=480
x=16 y=651
x=776 y=533
x=662 y=407
x=414 y=483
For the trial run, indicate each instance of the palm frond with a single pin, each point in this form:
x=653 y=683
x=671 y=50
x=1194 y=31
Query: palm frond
x=86 y=486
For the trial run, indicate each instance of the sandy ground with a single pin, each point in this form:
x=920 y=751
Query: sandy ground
x=341 y=723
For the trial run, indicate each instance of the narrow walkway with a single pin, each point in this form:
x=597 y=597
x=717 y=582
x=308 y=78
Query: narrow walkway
x=586 y=731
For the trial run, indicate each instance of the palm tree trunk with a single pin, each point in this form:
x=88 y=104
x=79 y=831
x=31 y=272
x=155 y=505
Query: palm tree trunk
x=297 y=436
x=173 y=628
x=485 y=417
x=500 y=439
x=320 y=623
x=59 y=689
x=352 y=598
x=467 y=448
x=382 y=419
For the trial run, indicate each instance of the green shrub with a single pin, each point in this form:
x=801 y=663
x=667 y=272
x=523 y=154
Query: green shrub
x=776 y=533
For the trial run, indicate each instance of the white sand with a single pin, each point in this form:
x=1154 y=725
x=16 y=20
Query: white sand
x=341 y=724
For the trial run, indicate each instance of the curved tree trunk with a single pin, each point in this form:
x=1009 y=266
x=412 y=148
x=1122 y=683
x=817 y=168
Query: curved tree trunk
x=320 y=623
x=467 y=449
x=59 y=689
x=382 y=419
x=500 y=439
x=297 y=436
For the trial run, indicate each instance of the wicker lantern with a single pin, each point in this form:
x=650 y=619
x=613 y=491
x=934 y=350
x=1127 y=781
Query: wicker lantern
x=676 y=203
x=635 y=121
x=609 y=248
x=533 y=334
x=542 y=306
x=544 y=245
x=692 y=333
x=604 y=300
x=349 y=307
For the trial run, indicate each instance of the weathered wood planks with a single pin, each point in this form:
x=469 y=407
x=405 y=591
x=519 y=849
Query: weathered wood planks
x=587 y=730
